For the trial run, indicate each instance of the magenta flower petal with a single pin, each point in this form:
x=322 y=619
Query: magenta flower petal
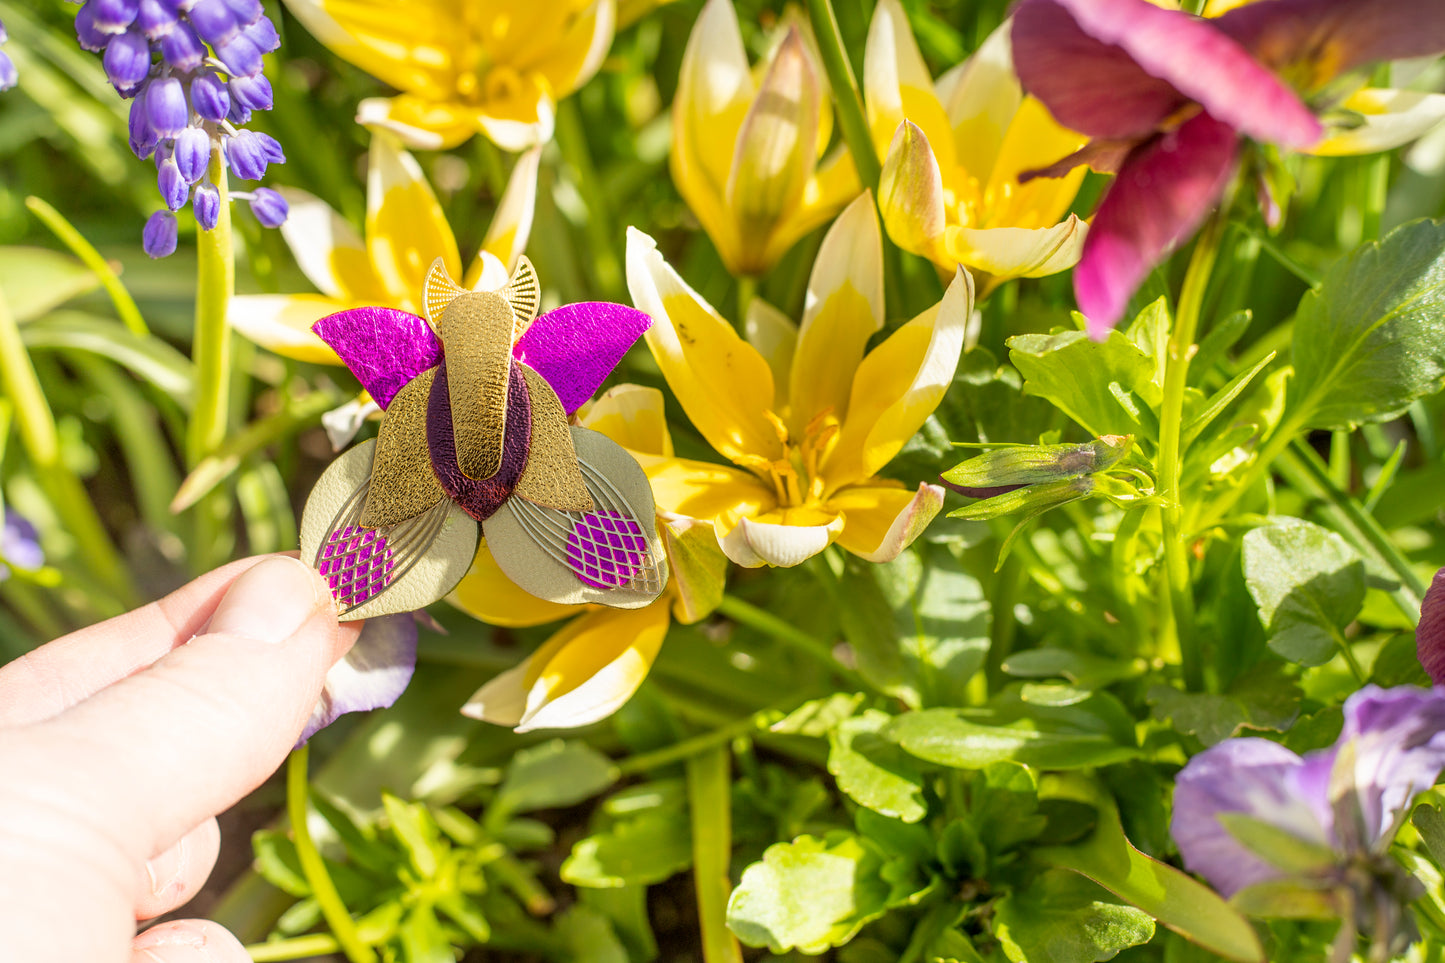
x=576 y=346
x=1161 y=194
x=1191 y=56
x=372 y=675
x=1089 y=85
x=1430 y=634
x=1247 y=776
x=1336 y=35
x=385 y=348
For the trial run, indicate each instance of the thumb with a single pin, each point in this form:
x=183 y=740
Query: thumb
x=164 y=749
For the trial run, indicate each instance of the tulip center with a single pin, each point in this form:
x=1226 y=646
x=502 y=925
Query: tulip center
x=796 y=477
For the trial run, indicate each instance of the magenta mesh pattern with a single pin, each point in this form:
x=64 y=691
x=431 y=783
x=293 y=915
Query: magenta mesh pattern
x=606 y=549
x=356 y=564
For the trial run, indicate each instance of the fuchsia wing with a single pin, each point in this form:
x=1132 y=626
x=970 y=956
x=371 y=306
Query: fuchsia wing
x=384 y=347
x=576 y=346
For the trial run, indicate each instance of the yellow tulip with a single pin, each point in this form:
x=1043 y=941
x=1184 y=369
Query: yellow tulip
x=594 y=663
x=405 y=231
x=954 y=152
x=745 y=152
x=463 y=66
x=807 y=417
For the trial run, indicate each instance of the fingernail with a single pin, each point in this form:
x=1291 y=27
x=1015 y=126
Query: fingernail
x=269 y=602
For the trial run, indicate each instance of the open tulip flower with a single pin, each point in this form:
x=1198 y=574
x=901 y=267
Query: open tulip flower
x=405 y=231
x=465 y=66
x=745 y=151
x=594 y=663
x=955 y=150
x=1166 y=96
x=807 y=417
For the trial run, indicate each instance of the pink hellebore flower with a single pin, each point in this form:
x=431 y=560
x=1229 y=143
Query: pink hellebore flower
x=1166 y=97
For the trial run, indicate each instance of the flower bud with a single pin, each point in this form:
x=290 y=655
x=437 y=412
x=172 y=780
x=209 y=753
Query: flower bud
x=214 y=21
x=1004 y=469
x=90 y=36
x=210 y=98
x=127 y=61
x=246 y=12
x=207 y=206
x=155 y=20
x=247 y=155
x=269 y=207
x=193 y=153
x=253 y=92
x=263 y=34
x=159 y=237
x=143 y=139
x=239 y=114
x=173 y=187
x=114 y=16
x=182 y=48
x=166 y=107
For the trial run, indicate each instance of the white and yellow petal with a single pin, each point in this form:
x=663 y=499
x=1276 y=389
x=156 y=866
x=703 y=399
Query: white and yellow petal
x=406 y=229
x=775 y=335
x=1387 y=119
x=722 y=383
x=327 y=249
x=580 y=45
x=980 y=97
x=719 y=494
x=880 y=522
x=631 y=415
x=898 y=385
x=581 y=675
x=282 y=323
x=842 y=310
x=1018 y=252
x=417 y=122
x=783 y=538
x=417 y=51
x=910 y=194
x=896 y=83
x=511 y=225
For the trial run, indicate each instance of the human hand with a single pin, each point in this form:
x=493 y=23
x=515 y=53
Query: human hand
x=121 y=742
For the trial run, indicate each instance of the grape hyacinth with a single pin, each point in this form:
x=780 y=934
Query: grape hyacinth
x=8 y=75
x=190 y=102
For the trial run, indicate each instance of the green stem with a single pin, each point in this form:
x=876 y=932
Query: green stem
x=793 y=637
x=1177 y=600
x=709 y=793
x=747 y=291
x=1343 y=644
x=42 y=444
x=851 y=116
x=125 y=305
x=211 y=352
x=313 y=867
x=572 y=140
x=296 y=948
x=691 y=746
x=1363 y=530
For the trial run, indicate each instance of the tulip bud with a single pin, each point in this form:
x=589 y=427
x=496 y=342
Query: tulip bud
x=910 y=193
x=1005 y=469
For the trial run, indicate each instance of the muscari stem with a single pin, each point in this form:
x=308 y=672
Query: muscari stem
x=211 y=352
x=1176 y=601
x=709 y=793
x=851 y=117
x=41 y=440
x=333 y=910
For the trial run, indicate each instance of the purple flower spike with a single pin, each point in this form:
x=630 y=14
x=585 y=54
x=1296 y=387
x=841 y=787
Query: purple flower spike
x=155 y=19
x=127 y=60
x=210 y=98
x=193 y=153
x=166 y=107
x=174 y=188
x=239 y=113
x=214 y=21
x=240 y=56
x=269 y=207
x=1430 y=634
x=114 y=16
x=159 y=238
x=254 y=92
x=207 y=206
x=183 y=49
x=91 y=37
x=9 y=76
x=576 y=347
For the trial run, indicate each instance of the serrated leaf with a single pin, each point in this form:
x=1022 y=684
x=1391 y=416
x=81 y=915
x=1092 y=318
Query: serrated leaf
x=35 y=279
x=1308 y=582
x=874 y=772
x=1262 y=698
x=1062 y=917
x=553 y=775
x=809 y=894
x=1371 y=338
x=1085 y=379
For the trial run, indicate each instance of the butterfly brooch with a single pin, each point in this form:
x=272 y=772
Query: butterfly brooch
x=475 y=442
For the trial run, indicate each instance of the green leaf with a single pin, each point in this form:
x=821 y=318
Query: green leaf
x=942 y=623
x=277 y=862
x=414 y=828
x=1064 y=918
x=1371 y=338
x=148 y=357
x=643 y=850
x=946 y=737
x=1084 y=669
x=817 y=717
x=423 y=940
x=1308 y=582
x=1262 y=698
x=1431 y=825
x=553 y=775
x=1087 y=379
x=1179 y=902
x=589 y=937
x=874 y=772
x=1220 y=400
x=35 y=279
x=809 y=894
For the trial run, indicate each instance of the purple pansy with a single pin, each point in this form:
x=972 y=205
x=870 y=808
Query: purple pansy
x=372 y=675
x=19 y=545
x=1166 y=97
x=1349 y=798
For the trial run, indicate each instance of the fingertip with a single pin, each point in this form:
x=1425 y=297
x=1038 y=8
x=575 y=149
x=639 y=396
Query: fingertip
x=188 y=941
